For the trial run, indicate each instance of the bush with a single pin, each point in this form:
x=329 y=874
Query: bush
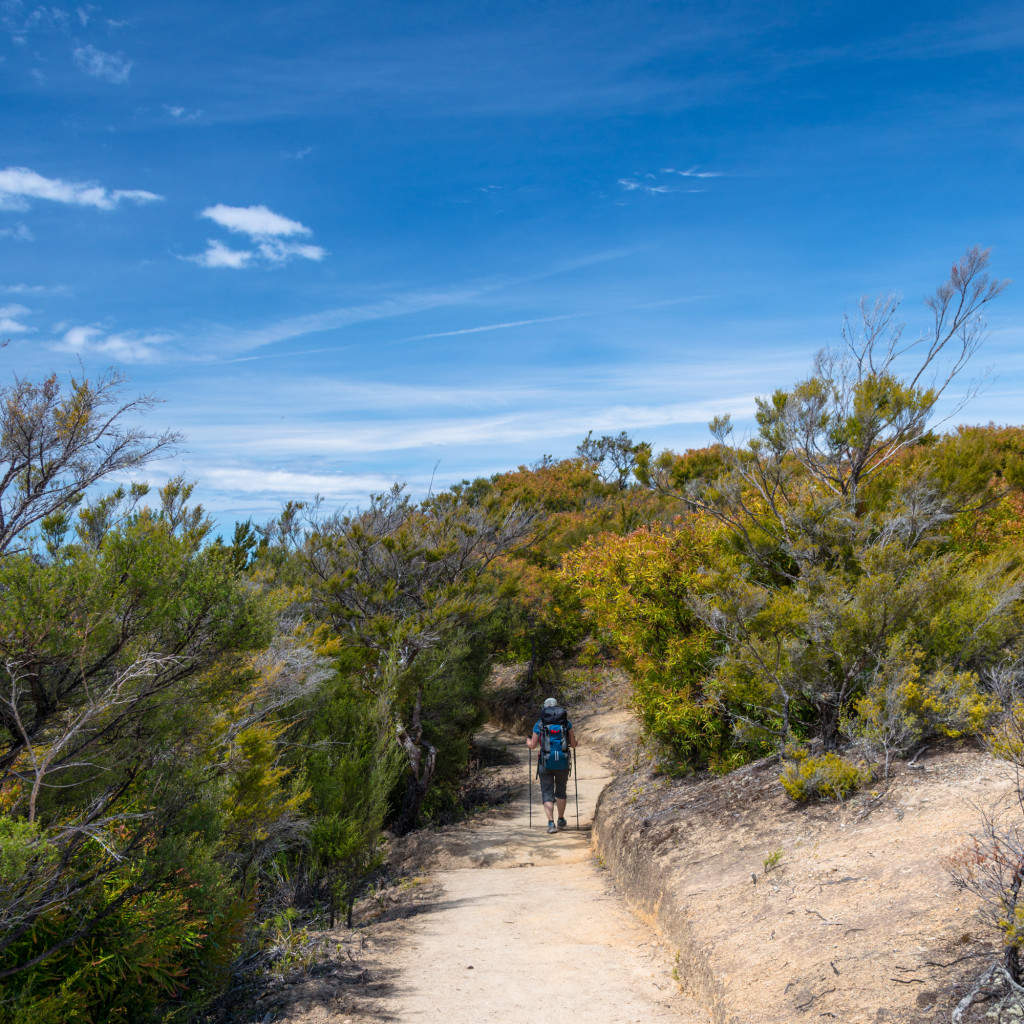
x=637 y=590
x=828 y=777
x=905 y=704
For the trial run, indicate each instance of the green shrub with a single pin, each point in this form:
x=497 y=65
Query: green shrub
x=828 y=777
x=18 y=846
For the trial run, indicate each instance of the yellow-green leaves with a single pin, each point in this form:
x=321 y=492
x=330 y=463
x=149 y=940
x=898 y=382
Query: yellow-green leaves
x=828 y=777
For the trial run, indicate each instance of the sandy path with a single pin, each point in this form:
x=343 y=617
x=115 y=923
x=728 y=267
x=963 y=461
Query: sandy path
x=527 y=925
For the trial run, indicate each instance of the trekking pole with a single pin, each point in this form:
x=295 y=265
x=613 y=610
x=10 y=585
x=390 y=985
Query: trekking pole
x=529 y=772
x=576 y=781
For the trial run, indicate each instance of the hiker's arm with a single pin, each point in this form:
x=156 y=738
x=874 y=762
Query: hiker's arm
x=532 y=741
x=572 y=737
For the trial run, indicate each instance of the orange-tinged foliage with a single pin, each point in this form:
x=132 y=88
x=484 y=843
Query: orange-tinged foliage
x=635 y=589
x=577 y=505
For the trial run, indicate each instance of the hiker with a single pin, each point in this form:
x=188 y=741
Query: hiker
x=554 y=735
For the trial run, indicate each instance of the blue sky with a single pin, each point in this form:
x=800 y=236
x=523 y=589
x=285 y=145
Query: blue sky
x=348 y=244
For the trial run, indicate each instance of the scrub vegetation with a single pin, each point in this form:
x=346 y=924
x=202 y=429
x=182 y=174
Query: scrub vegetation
x=204 y=742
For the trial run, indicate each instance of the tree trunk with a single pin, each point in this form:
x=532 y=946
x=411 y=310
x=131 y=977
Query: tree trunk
x=785 y=718
x=422 y=758
x=828 y=708
x=1011 y=961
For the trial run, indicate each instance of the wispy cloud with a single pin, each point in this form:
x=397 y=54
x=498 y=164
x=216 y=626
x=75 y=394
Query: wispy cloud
x=357 y=438
x=34 y=289
x=110 y=67
x=20 y=23
x=650 y=184
x=497 y=327
x=632 y=185
x=8 y=323
x=19 y=185
x=289 y=484
x=128 y=347
x=182 y=114
x=19 y=232
x=666 y=181
x=342 y=316
x=693 y=172
x=413 y=301
x=266 y=231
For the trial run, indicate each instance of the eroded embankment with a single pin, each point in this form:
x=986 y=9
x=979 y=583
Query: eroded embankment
x=857 y=920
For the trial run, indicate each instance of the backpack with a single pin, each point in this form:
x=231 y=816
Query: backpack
x=554 y=740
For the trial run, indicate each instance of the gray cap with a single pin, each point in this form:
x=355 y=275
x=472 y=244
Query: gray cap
x=551 y=703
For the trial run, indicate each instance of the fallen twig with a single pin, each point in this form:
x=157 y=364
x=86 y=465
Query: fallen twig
x=958 y=960
x=810 y=1002
x=912 y=763
x=838 y=924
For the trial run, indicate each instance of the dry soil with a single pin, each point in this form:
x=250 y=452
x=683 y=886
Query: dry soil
x=514 y=925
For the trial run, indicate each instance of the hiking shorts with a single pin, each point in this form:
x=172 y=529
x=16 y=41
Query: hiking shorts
x=552 y=785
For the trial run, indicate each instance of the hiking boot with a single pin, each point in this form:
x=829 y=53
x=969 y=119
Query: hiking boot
x=551 y=827
x=562 y=823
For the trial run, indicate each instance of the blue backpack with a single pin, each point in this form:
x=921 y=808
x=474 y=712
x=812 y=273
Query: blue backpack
x=554 y=740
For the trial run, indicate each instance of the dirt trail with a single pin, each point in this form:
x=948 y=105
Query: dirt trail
x=525 y=923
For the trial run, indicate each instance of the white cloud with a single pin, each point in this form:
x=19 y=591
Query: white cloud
x=34 y=289
x=265 y=228
x=278 y=252
x=255 y=221
x=45 y=18
x=19 y=232
x=20 y=184
x=652 y=184
x=8 y=324
x=632 y=185
x=129 y=348
x=219 y=255
x=181 y=114
x=693 y=172
x=284 y=482
x=228 y=343
x=498 y=327
x=356 y=438
x=111 y=67
x=343 y=316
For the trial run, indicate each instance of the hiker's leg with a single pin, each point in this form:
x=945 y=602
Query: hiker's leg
x=560 y=794
x=547 y=794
